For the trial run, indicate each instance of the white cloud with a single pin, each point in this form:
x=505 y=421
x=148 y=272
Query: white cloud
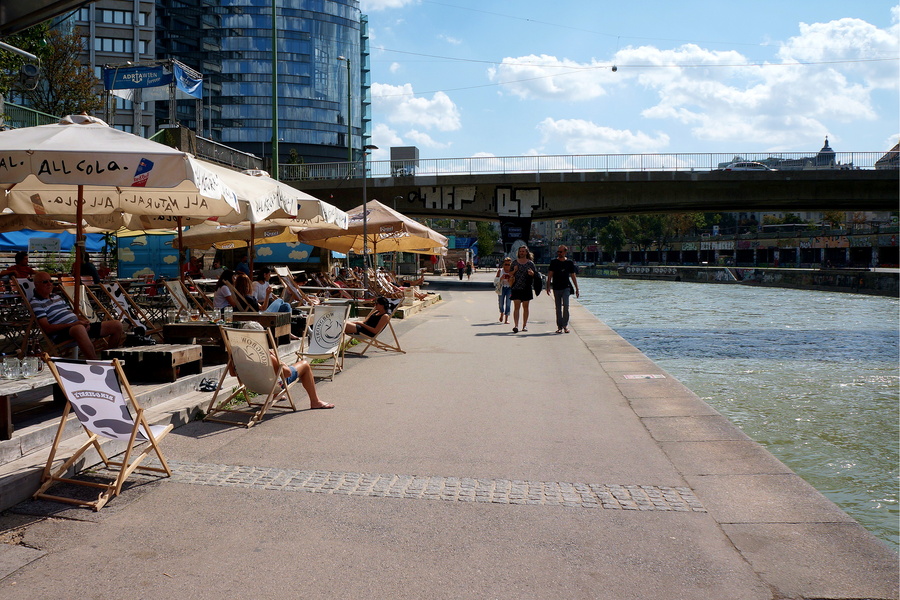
x=264 y=251
x=450 y=40
x=126 y=255
x=578 y=136
x=395 y=66
x=419 y=138
x=548 y=77
x=170 y=259
x=298 y=255
x=401 y=106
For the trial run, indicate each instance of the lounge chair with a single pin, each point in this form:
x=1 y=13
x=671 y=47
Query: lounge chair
x=182 y=298
x=96 y=392
x=292 y=292
x=323 y=338
x=249 y=359
x=25 y=289
x=378 y=340
x=128 y=310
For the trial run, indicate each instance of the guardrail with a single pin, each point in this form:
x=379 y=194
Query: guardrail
x=586 y=163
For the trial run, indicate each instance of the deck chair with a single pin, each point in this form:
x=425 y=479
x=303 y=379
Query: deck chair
x=25 y=289
x=182 y=298
x=249 y=360
x=378 y=340
x=89 y=305
x=323 y=338
x=292 y=293
x=242 y=304
x=204 y=300
x=99 y=395
x=128 y=310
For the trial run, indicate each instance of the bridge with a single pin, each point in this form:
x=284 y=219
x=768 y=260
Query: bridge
x=565 y=187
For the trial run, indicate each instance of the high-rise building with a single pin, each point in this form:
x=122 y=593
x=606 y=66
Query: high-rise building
x=323 y=70
x=230 y=43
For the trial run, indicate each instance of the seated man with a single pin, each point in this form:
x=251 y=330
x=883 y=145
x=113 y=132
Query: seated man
x=20 y=269
x=58 y=320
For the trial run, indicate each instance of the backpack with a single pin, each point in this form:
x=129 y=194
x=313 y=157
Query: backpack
x=539 y=282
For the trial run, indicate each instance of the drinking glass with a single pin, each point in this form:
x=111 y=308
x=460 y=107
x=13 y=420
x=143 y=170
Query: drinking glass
x=172 y=315
x=11 y=367
x=31 y=366
x=229 y=311
x=195 y=315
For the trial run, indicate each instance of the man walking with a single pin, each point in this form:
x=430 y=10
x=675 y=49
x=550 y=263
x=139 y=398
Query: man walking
x=560 y=272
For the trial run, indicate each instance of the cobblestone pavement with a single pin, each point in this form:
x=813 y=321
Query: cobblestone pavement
x=454 y=489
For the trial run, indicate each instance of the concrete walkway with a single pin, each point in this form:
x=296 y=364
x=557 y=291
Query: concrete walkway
x=481 y=464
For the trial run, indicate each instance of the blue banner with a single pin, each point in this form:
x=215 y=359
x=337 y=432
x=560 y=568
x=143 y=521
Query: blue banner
x=13 y=241
x=187 y=84
x=125 y=78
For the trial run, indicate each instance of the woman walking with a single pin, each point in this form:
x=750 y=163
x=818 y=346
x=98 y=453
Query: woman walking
x=504 y=273
x=523 y=272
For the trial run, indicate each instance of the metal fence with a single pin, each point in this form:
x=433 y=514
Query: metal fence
x=596 y=163
x=15 y=116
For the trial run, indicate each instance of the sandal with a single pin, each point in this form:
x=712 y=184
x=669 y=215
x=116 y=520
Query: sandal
x=207 y=384
x=515 y=330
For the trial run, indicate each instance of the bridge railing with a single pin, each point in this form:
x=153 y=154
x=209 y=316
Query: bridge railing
x=582 y=163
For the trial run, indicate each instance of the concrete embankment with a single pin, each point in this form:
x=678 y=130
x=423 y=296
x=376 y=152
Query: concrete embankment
x=479 y=464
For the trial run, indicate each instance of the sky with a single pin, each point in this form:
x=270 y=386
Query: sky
x=461 y=78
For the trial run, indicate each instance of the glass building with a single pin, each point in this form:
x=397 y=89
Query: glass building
x=230 y=43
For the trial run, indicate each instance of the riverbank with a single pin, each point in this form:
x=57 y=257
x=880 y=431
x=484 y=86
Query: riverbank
x=481 y=463
x=878 y=283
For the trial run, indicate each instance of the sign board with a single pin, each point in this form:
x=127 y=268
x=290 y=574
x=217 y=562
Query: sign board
x=37 y=244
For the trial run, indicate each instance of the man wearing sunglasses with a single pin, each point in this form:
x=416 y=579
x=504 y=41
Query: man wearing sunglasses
x=560 y=272
x=61 y=323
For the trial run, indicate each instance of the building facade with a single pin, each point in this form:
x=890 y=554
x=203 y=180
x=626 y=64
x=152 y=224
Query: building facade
x=322 y=58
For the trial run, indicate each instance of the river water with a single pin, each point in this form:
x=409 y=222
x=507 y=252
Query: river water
x=813 y=376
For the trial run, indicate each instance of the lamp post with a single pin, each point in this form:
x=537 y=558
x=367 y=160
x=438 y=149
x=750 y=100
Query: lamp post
x=349 y=112
x=365 y=216
x=274 y=91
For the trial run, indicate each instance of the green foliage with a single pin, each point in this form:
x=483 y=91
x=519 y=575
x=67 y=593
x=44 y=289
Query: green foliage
x=487 y=238
x=612 y=236
x=31 y=40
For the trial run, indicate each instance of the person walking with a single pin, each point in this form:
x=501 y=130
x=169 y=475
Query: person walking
x=523 y=273
x=562 y=278
x=504 y=274
x=469 y=268
x=460 y=268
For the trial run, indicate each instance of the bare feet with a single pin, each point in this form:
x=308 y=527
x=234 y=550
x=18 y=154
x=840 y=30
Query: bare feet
x=320 y=404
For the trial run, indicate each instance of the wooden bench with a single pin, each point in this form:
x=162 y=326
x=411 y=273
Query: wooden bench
x=9 y=389
x=208 y=335
x=159 y=362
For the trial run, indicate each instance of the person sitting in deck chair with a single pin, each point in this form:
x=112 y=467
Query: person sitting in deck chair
x=61 y=323
x=374 y=323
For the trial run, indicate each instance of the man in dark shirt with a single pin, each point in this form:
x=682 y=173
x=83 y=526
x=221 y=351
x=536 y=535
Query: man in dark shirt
x=60 y=323
x=559 y=274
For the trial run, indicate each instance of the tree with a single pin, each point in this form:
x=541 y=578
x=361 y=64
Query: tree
x=31 y=40
x=487 y=238
x=66 y=87
x=611 y=237
x=643 y=230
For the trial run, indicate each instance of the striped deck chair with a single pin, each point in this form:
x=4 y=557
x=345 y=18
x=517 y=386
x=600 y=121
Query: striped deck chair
x=129 y=311
x=323 y=338
x=99 y=395
x=250 y=360
x=292 y=293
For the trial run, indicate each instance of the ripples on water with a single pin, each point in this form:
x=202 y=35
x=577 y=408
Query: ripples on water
x=813 y=376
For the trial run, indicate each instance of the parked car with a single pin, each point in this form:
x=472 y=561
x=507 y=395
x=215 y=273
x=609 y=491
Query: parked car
x=748 y=166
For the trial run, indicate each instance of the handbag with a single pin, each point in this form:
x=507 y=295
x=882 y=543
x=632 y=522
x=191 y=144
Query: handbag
x=538 y=282
x=498 y=285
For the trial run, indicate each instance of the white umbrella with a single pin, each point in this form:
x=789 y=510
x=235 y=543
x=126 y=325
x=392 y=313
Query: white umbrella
x=81 y=165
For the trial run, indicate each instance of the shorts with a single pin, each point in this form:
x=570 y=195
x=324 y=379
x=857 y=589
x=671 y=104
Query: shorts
x=293 y=376
x=361 y=331
x=524 y=294
x=93 y=333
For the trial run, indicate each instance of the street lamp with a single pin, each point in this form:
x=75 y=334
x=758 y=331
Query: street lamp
x=349 y=112
x=365 y=216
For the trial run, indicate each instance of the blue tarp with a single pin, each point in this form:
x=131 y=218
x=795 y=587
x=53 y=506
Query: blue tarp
x=13 y=241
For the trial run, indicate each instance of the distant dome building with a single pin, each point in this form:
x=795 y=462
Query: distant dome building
x=825 y=157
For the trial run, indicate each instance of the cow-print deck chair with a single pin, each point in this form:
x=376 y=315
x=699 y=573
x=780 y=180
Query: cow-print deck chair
x=250 y=360
x=96 y=392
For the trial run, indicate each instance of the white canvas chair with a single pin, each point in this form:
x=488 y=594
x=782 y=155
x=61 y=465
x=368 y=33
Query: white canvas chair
x=323 y=339
x=128 y=310
x=249 y=359
x=99 y=395
x=379 y=340
x=292 y=292
x=89 y=305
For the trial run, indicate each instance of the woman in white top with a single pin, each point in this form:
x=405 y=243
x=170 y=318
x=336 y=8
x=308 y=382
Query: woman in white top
x=223 y=297
x=262 y=291
x=504 y=274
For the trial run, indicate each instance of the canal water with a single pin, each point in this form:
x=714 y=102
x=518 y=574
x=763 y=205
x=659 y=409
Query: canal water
x=813 y=376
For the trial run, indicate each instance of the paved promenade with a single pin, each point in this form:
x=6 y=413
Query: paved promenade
x=481 y=464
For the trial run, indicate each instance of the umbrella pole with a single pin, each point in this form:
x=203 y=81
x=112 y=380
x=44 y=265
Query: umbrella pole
x=79 y=248
x=180 y=251
x=250 y=246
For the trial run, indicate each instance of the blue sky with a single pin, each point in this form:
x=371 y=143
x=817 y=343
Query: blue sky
x=464 y=78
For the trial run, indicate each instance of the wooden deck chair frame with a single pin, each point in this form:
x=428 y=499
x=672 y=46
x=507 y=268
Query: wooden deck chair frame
x=324 y=338
x=376 y=340
x=202 y=298
x=242 y=304
x=129 y=310
x=25 y=289
x=249 y=360
x=111 y=405
x=291 y=292
x=182 y=297
x=90 y=305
